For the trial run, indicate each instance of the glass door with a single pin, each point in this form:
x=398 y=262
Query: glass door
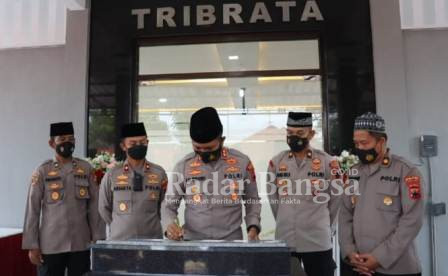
x=253 y=85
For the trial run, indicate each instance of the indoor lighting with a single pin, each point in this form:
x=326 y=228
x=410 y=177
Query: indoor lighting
x=234 y=57
x=282 y=78
x=164 y=82
x=242 y=92
x=163 y=100
x=146 y=83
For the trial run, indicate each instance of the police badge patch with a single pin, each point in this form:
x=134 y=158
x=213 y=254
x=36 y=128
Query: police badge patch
x=34 y=178
x=414 y=190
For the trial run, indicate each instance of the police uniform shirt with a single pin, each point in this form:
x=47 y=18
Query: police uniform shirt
x=209 y=216
x=386 y=216
x=305 y=224
x=62 y=208
x=131 y=213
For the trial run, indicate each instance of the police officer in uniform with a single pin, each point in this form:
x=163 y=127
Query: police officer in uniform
x=61 y=218
x=302 y=198
x=131 y=193
x=379 y=222
x=215 y=181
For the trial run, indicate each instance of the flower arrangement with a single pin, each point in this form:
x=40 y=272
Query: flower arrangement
x=347 y=160
x=101 y=163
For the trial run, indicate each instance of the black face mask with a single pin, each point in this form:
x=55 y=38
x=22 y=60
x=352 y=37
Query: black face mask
x=296 y=143
x=366 y=156
x=65 y=149
x=138 y=152
x=210 y=156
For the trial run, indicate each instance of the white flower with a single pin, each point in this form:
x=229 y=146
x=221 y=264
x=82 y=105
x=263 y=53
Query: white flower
x=345 y=154
x=102 y=161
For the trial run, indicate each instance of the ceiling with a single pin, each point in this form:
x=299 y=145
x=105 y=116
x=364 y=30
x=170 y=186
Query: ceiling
x=225 y=57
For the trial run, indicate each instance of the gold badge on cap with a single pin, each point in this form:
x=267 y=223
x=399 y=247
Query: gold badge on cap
x=55 y=196
x=123 y=207
x=82 y=192
x=387 y=201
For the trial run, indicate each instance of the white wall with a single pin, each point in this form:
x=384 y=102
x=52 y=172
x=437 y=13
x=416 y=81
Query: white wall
x=39 y=86
x=411 y=79
x=427 y=95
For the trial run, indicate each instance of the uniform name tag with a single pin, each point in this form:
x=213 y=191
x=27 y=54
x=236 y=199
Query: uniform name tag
x=153 y=188
x=48 y=179
x=286 y=174
x=391 y=178
x=316 y=174
x=122 y=188
x=198 y=178
x=233 y=175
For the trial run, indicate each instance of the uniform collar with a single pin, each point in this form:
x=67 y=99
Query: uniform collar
x=309 y=154
x=127 y=168
x=224 y=153
x=387 y=160
x=385 y=163
x=57 y=165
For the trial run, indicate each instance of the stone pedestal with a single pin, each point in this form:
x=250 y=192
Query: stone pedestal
x=162 y=257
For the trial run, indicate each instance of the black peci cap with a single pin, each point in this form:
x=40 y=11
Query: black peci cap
x=300 y=119
x=205 y=125
x=133 y=130
x=62 y=128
